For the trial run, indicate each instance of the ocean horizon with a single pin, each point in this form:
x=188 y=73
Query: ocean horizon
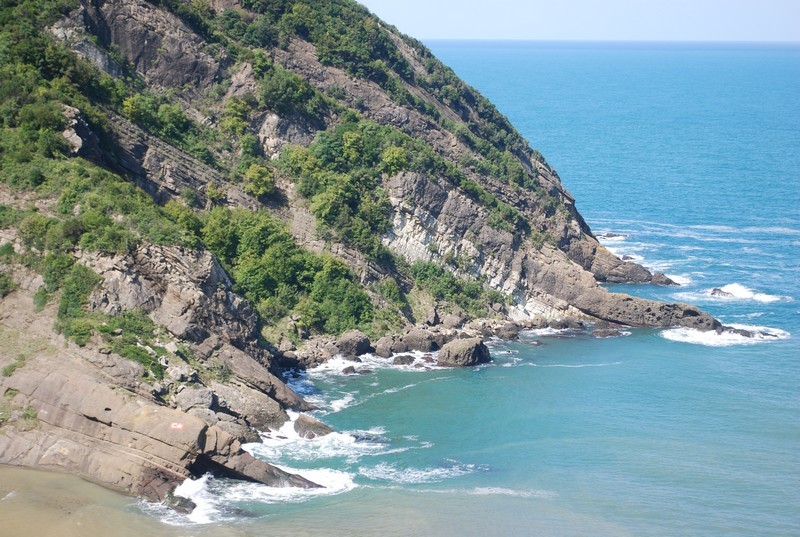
x=684 y=157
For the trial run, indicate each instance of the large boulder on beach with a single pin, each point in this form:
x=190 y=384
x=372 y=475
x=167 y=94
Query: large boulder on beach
x=464 y=353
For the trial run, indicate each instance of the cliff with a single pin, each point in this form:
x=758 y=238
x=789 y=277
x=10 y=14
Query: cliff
x=193 y=189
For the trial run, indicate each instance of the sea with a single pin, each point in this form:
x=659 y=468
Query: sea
x=685 y=157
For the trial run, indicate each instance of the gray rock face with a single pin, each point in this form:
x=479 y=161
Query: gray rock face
x=116 y=439
x=464 y=353
x=158 y=44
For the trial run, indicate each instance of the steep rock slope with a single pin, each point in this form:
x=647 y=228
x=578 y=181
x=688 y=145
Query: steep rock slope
x=169 y=52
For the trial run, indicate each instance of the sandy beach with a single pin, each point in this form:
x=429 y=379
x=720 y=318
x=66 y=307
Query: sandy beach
x=45 y=504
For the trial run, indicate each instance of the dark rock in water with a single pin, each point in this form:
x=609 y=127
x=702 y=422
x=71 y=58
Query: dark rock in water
x=365 y=371
x=464 y=353
x=627 y=258
x=741 y=332
x=719 y=292
x=179 y=503
x=605 y=329
x=353 y=343
x=308 y=427
x=349 y=370
x=659 y=278
x=612 y=236
x=403 y=359
x=508 y=331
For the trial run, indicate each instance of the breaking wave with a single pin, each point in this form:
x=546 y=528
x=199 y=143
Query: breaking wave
x=726 y=338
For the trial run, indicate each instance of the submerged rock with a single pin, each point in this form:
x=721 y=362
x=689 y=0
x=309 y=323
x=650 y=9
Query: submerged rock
x=403 y=359
x=719 y=292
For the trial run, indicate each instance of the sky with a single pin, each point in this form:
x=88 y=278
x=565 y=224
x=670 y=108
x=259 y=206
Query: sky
x=594 y=20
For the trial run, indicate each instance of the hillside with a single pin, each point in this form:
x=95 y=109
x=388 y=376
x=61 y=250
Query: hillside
x=192 y=190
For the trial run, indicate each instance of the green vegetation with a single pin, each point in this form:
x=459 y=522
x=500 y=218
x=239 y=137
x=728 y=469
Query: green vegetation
x=6 y=284
x=279 y=277
x=73 y=204
x=470 y=296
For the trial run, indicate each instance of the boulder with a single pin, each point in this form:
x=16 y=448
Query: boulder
x=605 y=329
x=403 y=359
x=385 y=346
x=719 y=292
x=196 y=397
x=508 y=331
x=464 y=353
x=417 y=339
x=432 y=317
x=353 y=343
x=453 y=320
x=659 y=278
x=308 y=427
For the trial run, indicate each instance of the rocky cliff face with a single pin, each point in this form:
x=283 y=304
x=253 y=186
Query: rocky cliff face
x=237 y=92
x=427 y=213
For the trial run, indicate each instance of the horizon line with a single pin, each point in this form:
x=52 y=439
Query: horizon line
x=632 y=41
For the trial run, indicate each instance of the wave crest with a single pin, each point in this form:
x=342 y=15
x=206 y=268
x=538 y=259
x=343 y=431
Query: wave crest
x=726 y=338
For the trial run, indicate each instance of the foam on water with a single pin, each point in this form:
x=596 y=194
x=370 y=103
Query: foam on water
x=423 y=361
x=286 y=444
x=406 y=476
x=680 y=279
x=216 y=500
x=726 y=338
x=740 y=292
x=730 y=292
x=576 y=366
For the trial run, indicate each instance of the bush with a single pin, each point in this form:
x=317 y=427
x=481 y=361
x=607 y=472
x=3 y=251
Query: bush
x=6 y=284
x=259 y=181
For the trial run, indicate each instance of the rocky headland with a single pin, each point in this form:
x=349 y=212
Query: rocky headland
x=214 y=212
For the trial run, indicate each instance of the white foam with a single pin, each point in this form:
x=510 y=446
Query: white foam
x=215 y=499
x=197 y=490
x=546 y=332
x=576 y=366
x=732 y=292
x=680 y=279
x=726 y=338
x=286 y=444
x=345 y=402
x=407 y=476
x=500 y=491
x=738 y=291
x=423 y=361
x=333 y=482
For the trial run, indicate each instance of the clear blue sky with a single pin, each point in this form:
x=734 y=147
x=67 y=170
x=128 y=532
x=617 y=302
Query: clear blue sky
x=603 y=20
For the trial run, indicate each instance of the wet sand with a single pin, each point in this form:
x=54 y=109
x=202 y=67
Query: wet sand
x=46 y=504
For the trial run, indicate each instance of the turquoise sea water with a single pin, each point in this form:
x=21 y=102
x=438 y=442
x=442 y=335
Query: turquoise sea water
x=692 y=154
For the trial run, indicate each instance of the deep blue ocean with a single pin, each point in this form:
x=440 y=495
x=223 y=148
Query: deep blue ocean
x=690 y=154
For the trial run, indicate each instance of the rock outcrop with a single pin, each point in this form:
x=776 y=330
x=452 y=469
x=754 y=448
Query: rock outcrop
x=464 y=353
x=87 y=425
